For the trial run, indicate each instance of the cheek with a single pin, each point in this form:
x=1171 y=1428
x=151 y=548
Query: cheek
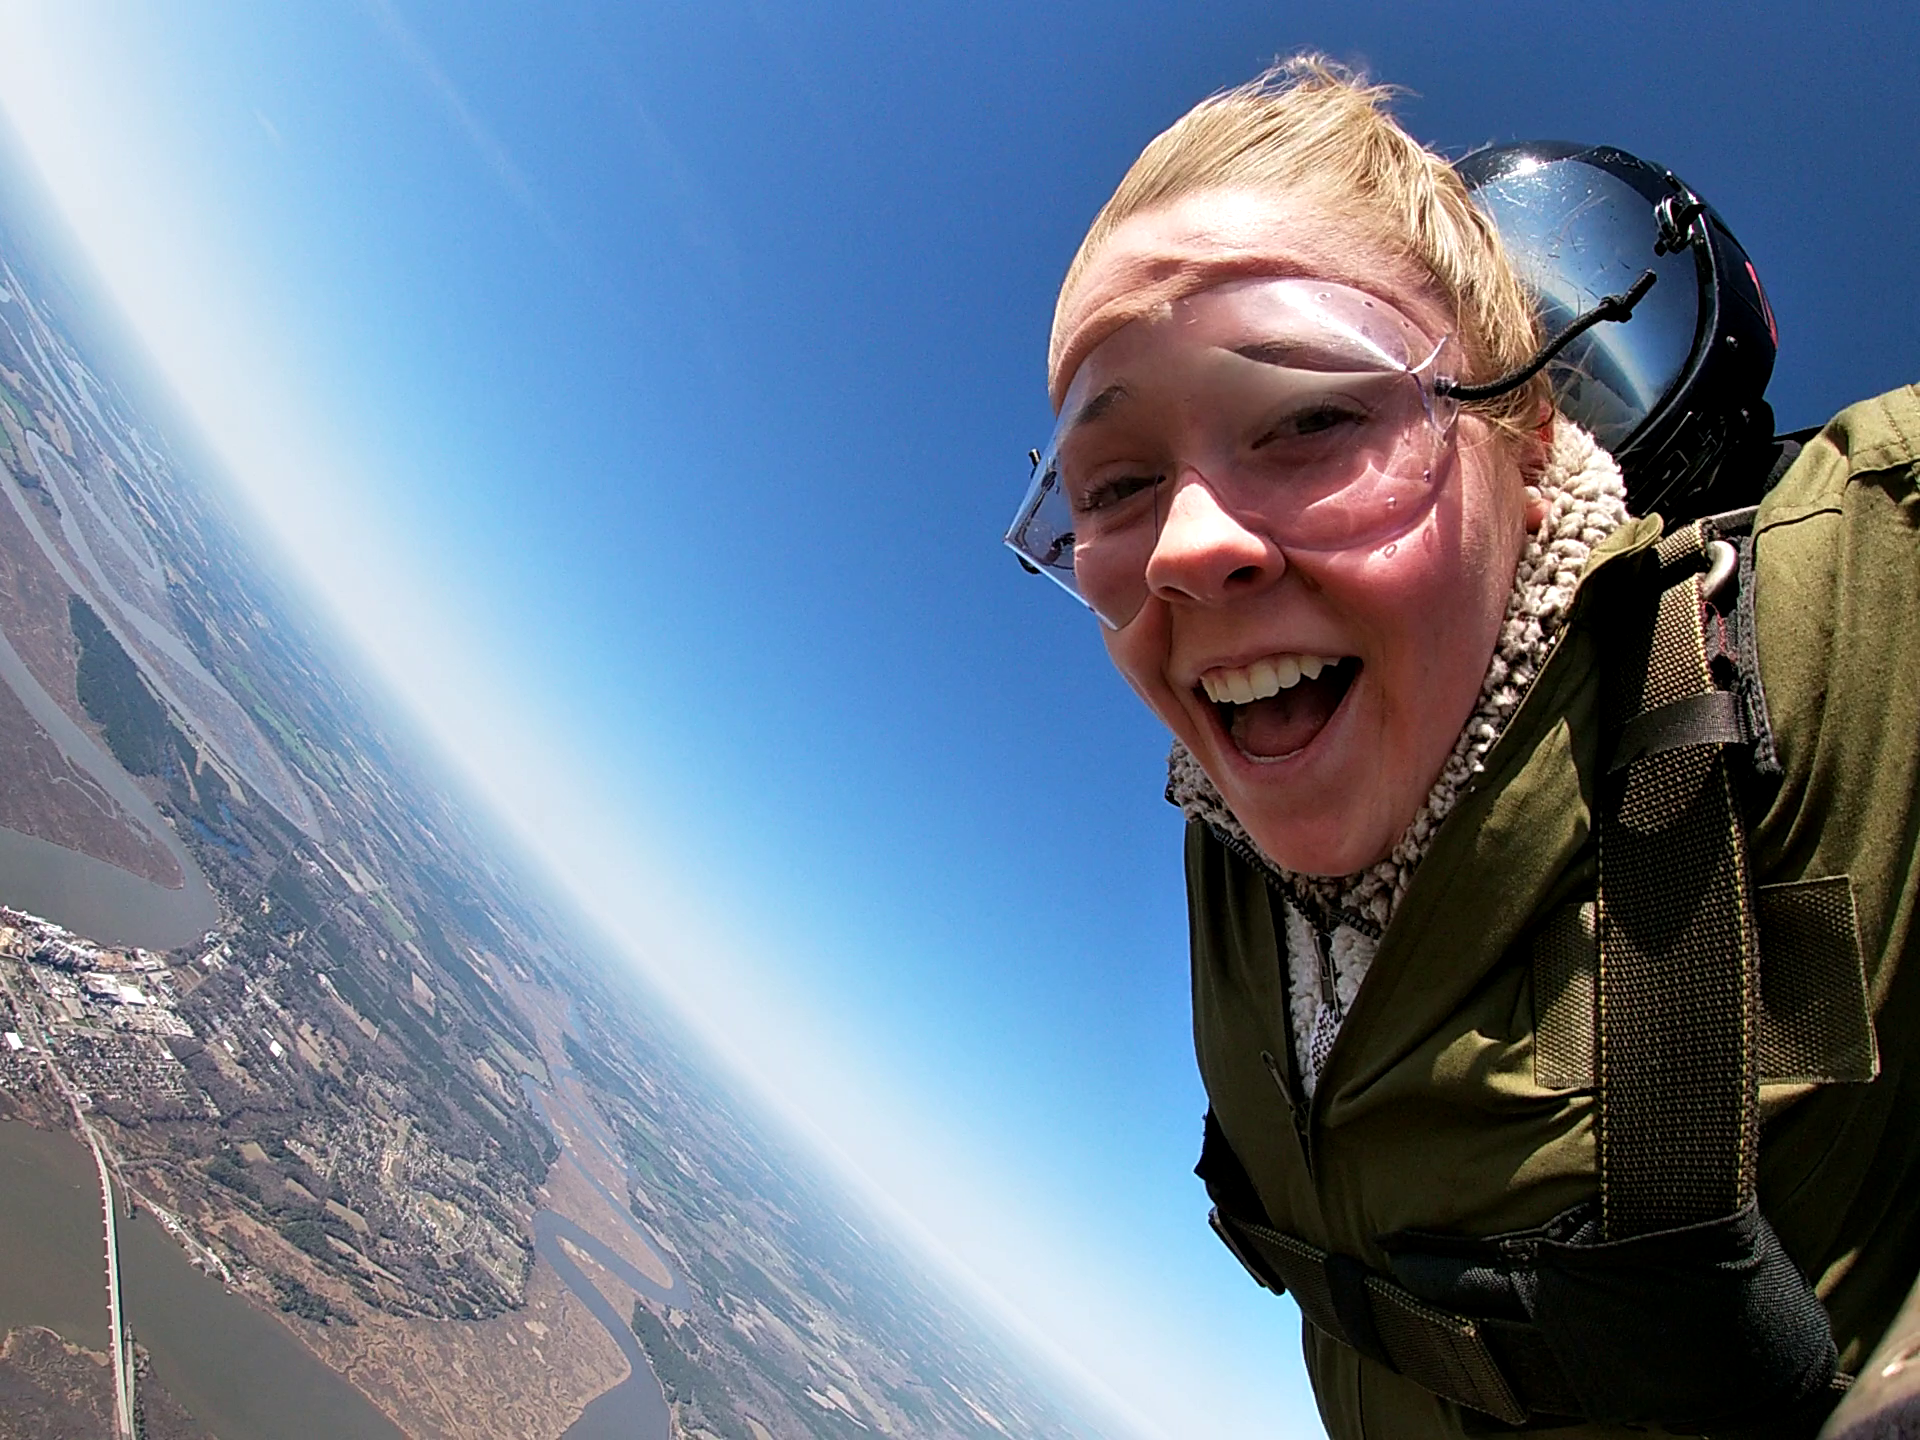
x=1471 y=547
x=1426 y=584
x=1139 y=653
x=1435 y=605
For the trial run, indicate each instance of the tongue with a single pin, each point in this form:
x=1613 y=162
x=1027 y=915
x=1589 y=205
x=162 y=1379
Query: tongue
x=1268 y=729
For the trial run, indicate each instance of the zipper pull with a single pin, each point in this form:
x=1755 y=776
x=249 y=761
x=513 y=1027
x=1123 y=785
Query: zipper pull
x=1294 y=1110
x=1280 y=1082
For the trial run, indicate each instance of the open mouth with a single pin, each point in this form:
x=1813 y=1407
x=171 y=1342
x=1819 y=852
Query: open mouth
x=1274 y=707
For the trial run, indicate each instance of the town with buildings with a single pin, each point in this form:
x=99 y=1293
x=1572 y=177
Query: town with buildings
x=107 y=1019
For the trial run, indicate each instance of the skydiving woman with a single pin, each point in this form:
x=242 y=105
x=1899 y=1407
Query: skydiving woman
x=1551 y=864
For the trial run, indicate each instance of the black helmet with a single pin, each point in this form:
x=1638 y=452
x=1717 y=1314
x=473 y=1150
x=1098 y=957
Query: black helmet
x=1677 y=389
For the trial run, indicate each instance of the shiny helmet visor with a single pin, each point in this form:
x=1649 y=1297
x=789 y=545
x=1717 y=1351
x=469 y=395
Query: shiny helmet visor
x=1678 y=393
x=1306 y=409
x=1575 y=232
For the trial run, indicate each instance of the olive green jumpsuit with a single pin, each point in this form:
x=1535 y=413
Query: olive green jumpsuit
x=1440 y=1108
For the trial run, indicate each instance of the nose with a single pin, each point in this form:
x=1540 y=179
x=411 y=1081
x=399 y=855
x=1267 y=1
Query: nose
x=1206 y=553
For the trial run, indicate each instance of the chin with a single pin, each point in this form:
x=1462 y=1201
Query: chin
x=1330 y=845
x=1330 y=859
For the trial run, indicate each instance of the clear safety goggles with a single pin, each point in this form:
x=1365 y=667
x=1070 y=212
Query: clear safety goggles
x=1307 y=409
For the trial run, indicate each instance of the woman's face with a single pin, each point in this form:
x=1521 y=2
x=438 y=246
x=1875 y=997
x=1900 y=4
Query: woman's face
x=1389 y=639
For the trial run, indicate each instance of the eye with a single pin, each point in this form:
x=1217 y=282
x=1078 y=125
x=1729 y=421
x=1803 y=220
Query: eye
x=1320 y=419
x=1112 y=493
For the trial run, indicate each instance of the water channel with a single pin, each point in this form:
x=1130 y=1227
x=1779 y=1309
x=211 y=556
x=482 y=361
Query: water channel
x=102 y=901
x=89 y=896
x=234 y=1367
x=635 y=1409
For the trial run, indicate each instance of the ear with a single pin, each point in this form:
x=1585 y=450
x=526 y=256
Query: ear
x=1533 y=463
x=1536 y=509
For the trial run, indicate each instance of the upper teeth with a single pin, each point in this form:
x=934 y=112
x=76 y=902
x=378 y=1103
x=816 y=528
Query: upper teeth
x=1263 y=678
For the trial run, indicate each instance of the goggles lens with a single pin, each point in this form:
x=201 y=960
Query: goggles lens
x=1306 y=408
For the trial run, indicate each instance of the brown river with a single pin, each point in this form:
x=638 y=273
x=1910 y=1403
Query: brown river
x=236 y=1368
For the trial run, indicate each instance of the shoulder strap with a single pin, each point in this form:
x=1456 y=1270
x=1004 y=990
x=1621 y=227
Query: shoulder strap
x=1677 y=994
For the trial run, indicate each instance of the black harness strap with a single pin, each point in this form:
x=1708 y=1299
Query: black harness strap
x=1716 y=718
x=1678 y=985
x=1446 y=1353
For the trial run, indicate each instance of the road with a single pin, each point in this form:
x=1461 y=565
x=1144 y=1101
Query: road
x=122 y=1351
x=122 y=1368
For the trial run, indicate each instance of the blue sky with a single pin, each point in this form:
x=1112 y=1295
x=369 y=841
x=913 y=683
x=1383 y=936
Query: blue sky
x=643 y=388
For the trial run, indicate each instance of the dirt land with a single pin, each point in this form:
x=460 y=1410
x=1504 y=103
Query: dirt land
x=523 y=1376
x=48 y=797
x=44 y=794
x=574 y=1198
x=52 y=1389
x=33 y=604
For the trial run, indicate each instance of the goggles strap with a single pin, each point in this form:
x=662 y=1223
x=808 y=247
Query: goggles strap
x=1611 y=307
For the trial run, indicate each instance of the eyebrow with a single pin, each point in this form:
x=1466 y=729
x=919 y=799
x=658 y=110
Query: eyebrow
x=1099 y=405
x=1289 y=354
x=1269 y=352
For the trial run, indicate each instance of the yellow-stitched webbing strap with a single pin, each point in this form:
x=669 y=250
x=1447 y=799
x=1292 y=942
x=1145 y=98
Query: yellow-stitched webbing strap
x=1677 y=994
x=1443 y=1352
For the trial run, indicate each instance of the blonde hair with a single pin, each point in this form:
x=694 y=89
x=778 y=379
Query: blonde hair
x=1312 y=128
